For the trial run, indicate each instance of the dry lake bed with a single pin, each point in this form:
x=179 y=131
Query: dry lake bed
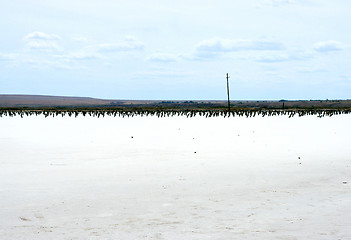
x=175 y=178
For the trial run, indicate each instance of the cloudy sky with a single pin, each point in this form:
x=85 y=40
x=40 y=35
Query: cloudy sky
x=176 y=49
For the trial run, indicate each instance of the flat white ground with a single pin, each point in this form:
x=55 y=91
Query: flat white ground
x=175 y=178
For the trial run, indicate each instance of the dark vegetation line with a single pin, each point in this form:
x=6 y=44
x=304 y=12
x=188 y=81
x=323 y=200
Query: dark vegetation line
x=26 y=105
x=169 y=113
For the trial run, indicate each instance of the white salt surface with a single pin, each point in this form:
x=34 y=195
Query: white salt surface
x=175 y=178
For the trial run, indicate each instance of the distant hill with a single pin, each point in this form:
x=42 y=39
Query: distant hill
x=9 y=100
x=32 y=101
x=40 y=101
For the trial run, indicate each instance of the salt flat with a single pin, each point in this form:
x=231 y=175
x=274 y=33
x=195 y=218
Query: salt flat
x=175 y=178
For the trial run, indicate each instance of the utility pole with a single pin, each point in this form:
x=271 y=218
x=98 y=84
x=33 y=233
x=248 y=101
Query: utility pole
x=228 y=92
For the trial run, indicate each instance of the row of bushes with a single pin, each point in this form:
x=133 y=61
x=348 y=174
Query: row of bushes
x=170 y=113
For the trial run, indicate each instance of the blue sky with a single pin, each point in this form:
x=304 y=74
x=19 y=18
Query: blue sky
x=153 y=49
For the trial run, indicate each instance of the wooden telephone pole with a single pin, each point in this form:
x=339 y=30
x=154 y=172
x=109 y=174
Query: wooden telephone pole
x=228 y=92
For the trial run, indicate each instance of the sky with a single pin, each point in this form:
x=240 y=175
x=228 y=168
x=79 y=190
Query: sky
x=176 y=50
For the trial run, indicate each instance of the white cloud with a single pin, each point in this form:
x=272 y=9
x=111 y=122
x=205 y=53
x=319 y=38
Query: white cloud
x=285 y=57
x=202 y=56
x=328 y=46
x=41 y=36
x=37 y=62
x=274 y=58
x=311 y=70
x=129 y=44
x=42 y=45
x=79 y=38
x=230 y=45
x=42 y=41
x=80 y=55
x=217 y=47
x=7 y=57
x=162 y=57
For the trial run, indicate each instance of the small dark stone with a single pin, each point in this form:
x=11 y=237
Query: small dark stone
x=344 y=182
x=131 y=137
x=194 y=152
